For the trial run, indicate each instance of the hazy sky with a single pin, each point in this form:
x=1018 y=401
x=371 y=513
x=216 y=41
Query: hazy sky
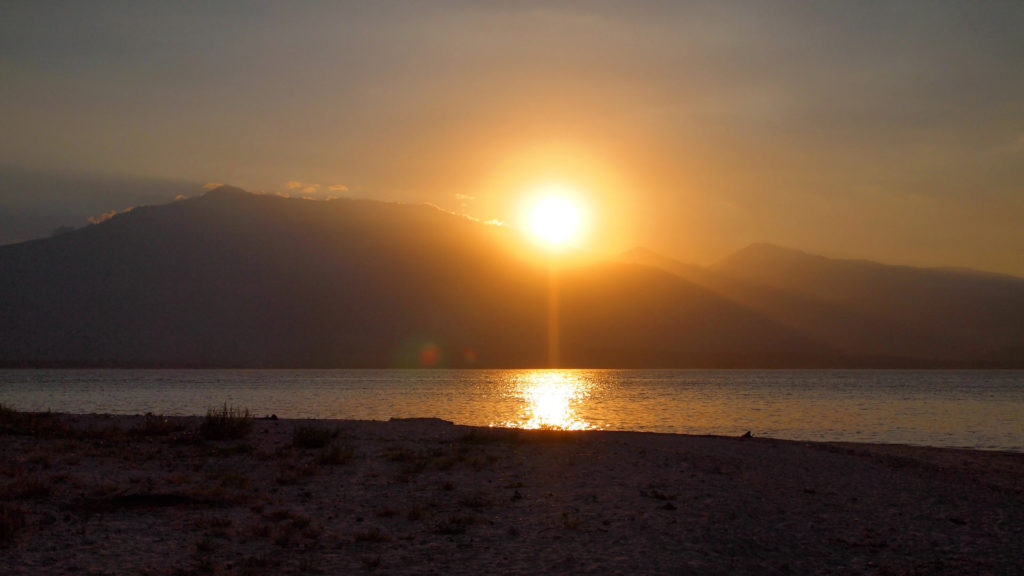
x=885 y=130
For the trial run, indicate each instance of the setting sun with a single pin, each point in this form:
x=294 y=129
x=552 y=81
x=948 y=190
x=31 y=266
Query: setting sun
x=555 y=219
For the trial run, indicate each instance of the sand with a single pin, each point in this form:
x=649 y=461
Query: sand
x=93 y=494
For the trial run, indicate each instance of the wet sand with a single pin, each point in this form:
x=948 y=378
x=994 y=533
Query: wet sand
x=93 y=494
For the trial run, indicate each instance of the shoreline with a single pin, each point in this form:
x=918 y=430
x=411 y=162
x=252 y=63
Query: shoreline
x=89 y=416
x=108 y=494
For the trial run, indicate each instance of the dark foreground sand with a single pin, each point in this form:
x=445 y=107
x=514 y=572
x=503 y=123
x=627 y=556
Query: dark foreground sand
x=131 y=495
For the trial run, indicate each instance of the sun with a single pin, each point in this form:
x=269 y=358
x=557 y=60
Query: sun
x=555 y=219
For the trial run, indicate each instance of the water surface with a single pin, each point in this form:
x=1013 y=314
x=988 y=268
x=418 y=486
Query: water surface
x=977 y=409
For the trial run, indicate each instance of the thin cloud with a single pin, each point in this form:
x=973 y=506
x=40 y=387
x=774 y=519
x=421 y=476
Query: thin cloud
x=338 y=188
x=108 y=215
x=212 y=185
x=293 y=184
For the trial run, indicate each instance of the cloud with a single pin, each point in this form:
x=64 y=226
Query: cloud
x=338 y=188
x=212 y=185
x=293 y=184
x=180 y=197
x=465 y=197
x=108 y=215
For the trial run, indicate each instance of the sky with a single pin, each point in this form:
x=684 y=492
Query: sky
x=891 y=131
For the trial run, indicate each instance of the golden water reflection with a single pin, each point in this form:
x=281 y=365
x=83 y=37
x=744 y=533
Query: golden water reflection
x=549 y=400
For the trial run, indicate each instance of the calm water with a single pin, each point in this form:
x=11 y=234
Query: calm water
x=978 y=409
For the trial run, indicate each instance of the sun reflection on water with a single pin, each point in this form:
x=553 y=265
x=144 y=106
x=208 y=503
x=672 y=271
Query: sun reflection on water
x=549 y=400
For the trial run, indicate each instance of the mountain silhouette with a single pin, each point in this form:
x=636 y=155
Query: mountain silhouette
x=37 y=203
x=235 y=279
x=232 y=279
x=880 y=315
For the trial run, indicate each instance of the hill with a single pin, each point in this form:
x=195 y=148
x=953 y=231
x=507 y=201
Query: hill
x=35 y=203
x=234 y=279
x=880 y=315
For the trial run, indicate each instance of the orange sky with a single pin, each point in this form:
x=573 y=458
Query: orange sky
x=889 y=132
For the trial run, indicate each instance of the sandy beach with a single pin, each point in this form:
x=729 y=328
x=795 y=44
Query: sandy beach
x=95 y=494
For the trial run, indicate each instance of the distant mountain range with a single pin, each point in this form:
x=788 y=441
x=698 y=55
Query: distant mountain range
x=231 y=279
x=36 y=203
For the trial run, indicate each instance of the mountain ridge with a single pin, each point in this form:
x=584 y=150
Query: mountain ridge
x=233 y=279
x=870 y=309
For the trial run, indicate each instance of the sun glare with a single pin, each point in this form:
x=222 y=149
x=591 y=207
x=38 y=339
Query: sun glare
x=550 y=400
x=555 y=220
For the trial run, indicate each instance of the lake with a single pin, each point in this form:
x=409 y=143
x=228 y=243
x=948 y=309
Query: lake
x=975 y=409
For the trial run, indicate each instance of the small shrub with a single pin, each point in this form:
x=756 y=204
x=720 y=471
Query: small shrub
x=226 y=423
x=313 y=436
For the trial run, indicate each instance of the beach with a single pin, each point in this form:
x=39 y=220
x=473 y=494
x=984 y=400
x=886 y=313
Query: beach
x=99 y=494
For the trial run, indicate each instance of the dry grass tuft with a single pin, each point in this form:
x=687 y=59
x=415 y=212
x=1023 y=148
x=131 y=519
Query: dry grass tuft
x=226 y=423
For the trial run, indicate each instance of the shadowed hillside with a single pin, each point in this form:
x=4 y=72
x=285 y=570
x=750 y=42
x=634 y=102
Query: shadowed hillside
x=881 y=314
x=233 y=279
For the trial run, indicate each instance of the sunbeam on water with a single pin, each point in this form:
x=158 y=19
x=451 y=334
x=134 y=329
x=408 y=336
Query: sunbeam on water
x=972 y=408
x=549 y=400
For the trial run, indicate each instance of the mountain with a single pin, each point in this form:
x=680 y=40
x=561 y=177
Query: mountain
x=881 y=314
x=36 y=203
x=235 y=279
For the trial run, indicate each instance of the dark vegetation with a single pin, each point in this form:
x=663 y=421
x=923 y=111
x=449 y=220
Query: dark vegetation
x=226 y=423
